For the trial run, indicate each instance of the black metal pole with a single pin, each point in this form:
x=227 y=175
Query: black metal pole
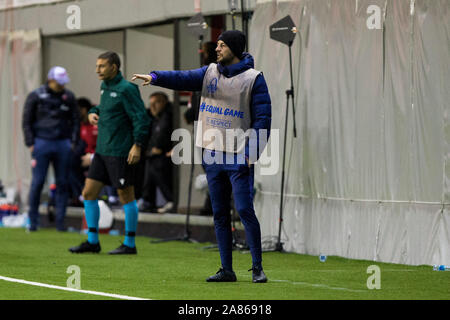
x=233 y=22
x=244 y=23
x=289 y=95
x=242 y=16
x=187 y=231
x=292 y=89
x=279 y=245
x=191 y=175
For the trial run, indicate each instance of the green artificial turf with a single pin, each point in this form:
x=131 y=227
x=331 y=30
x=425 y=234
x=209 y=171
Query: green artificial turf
x=177 y=271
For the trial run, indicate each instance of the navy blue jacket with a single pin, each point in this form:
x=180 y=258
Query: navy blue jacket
x=50 y=115
x=192 y=80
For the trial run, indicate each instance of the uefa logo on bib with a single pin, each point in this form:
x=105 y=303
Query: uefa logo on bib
x=212 y=87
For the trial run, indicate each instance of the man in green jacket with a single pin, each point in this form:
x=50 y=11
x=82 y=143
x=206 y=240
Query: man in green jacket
x=123 y=127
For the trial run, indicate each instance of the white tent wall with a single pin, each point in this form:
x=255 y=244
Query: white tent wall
x=368 y=174
x=20 y=73
x=8 y=4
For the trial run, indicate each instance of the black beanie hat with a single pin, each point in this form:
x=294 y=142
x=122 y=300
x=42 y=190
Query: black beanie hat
x=234 y=39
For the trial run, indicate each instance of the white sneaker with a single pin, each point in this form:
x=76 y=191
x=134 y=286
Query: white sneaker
x=166 y=208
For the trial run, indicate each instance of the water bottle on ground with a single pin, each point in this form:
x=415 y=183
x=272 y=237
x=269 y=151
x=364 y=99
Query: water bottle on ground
x=441 y=267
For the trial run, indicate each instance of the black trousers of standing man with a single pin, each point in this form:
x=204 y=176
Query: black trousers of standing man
x=158 y=173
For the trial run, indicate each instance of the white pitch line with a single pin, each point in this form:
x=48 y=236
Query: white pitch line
x=324 y=286
x=317 y=285
x=383 y=270
x=38 y=284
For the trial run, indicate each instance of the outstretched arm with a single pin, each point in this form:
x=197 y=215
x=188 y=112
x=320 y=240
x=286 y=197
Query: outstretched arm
x=184 y=80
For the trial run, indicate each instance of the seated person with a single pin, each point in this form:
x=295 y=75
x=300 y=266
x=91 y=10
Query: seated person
x=158 y=166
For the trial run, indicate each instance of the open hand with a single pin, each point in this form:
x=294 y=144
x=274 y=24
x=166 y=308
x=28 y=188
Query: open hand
x=147 y=78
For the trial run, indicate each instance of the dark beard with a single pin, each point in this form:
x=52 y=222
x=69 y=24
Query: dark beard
x=226 y=61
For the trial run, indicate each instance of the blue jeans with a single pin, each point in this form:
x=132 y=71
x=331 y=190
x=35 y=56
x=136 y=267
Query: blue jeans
x=58 y=152
x=239 y=179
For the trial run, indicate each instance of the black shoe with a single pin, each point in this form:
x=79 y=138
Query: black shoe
x=123 y=249
x=222 y=276
x=258 y=275
x=86 y=247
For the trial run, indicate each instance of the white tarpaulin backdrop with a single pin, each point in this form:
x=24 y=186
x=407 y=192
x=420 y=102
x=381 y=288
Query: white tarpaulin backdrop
x=8 y=4
x=20 y=73
x=368 y=176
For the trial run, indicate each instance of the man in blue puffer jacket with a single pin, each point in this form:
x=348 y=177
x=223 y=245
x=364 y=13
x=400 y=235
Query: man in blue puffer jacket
x=235 y=99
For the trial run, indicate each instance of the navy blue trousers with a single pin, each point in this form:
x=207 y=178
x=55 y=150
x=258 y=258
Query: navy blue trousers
x=57 y=152
x=239 y=179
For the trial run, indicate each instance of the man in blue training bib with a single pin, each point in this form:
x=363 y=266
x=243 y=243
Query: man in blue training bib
x=234 y=99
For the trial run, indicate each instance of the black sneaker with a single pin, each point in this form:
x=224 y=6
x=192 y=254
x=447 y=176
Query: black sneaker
x=258 y=275
x=123 y=249
x=86 y=247
x=222 y=276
